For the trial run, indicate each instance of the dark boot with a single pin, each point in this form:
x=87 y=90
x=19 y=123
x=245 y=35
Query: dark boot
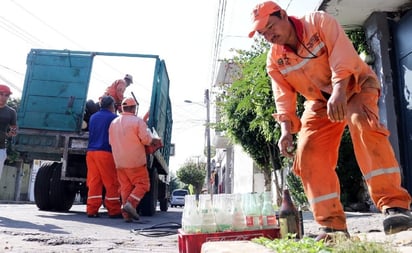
x=397 y=220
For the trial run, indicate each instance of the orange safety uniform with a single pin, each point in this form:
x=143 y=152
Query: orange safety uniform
x=101 y=170
x=116 y=90
x=325 y=57
x=128 y=136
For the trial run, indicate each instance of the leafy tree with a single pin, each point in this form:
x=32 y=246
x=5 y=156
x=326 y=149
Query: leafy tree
x=192 y=173
x=247 y=107
x=174 y=182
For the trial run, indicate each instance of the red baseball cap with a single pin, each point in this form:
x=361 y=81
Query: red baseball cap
x=5 y=89
x=260 y=15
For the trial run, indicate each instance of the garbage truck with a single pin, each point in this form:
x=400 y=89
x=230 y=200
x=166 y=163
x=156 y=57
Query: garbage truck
x=52 y=126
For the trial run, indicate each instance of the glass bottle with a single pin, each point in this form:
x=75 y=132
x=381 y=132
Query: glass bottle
x=268 y=212
x=238 y=217
x=288 y=217
x=190 y=215
x=222 y=204
x=207 y=214
x=253 y=214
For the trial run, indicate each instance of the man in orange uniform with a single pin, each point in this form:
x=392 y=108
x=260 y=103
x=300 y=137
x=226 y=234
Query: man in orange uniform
x=101 y=170
x=117 y=89
x=313 y=56
x=128 y=136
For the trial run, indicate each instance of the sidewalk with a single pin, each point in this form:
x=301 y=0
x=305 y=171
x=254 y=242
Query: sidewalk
x=366 y=226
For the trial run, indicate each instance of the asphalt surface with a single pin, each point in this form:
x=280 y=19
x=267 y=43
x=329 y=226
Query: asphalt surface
x=23 y=228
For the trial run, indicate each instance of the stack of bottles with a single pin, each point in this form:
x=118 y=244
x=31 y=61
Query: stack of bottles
x=228 y=212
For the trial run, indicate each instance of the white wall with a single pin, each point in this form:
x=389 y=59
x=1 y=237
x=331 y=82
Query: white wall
x=242 y=170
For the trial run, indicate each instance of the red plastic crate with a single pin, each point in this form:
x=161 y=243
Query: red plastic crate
x=192 y=243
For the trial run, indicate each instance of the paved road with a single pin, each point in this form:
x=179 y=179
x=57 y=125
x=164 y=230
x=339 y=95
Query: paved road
x=23 y=228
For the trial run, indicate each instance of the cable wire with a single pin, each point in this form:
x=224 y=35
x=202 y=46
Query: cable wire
x=158 y=230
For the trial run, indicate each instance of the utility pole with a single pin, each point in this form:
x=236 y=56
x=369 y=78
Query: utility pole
x=208 y=162
x=207 y=135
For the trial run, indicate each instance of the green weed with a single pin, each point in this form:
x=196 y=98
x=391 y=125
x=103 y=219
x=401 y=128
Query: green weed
x=309 y=245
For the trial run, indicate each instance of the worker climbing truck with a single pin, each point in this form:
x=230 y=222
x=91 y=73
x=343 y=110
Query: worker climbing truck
x=52 y=124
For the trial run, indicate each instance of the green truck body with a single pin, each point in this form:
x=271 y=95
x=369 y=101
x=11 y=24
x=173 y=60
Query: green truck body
x=51 y=126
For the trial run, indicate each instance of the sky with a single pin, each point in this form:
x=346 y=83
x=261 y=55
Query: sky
x=181 y=32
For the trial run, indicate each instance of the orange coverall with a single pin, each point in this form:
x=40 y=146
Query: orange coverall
x=100 y=172
x=116 y=90
x=327 y=57
x=128 y=136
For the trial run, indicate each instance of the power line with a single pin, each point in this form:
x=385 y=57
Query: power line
x=287 y=7
x=5 y=67
x=218 y=36
x=62 y=35
x=46 y=24
x=10 y=83
x=19 y=32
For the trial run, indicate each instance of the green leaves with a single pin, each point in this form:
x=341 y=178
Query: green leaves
x=192 y=173
x=305 y=245
x=339 y=245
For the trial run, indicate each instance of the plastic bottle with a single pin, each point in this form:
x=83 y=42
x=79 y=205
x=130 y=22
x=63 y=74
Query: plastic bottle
x=268 y=212
x=288 y=217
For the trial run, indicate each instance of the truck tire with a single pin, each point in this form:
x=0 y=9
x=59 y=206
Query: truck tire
x=62 y=193
x=164 y=205
x=163 y=200
x=42 y=186
x=147 y=206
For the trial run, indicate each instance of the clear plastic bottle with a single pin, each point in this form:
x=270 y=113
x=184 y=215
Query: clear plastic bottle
x=268 y=212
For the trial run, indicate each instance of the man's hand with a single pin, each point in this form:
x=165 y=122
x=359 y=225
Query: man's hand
x=285 y=143
x=337 y=103
x=12 y=131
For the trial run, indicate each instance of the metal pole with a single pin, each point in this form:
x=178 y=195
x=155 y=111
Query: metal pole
x=208 y=166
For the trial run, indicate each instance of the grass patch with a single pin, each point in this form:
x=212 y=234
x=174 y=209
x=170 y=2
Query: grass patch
x=338 y=245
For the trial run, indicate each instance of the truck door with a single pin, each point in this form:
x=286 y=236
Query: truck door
x=55 y=90
x=402 y=38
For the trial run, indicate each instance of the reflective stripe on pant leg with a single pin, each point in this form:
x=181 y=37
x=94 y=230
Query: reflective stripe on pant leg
x=94 y=184
x=108 y=173
x=315 y=163
x=374 y=152
x=141 y=182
